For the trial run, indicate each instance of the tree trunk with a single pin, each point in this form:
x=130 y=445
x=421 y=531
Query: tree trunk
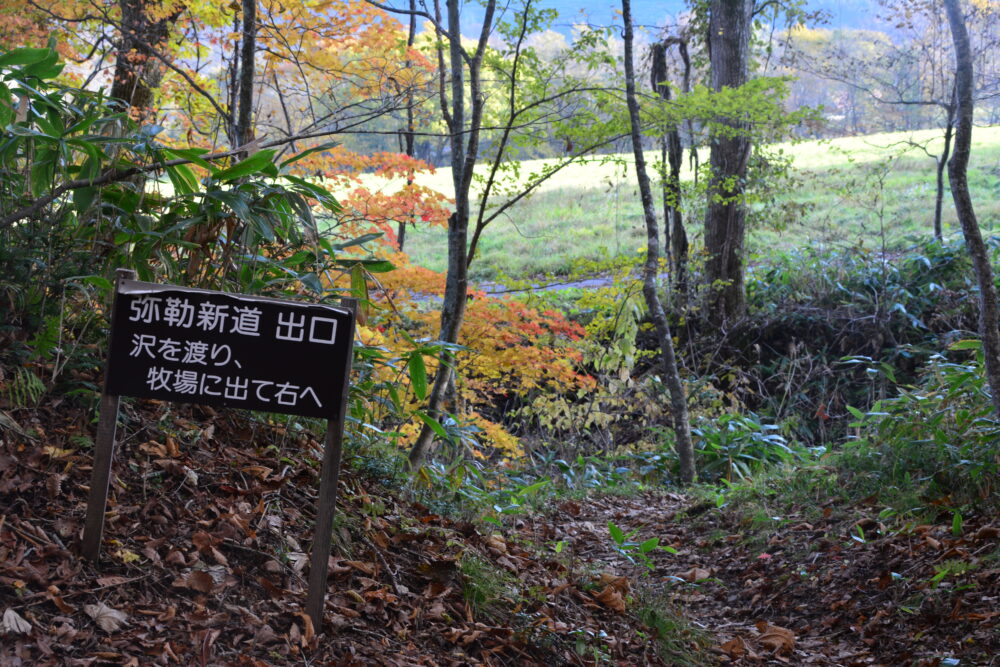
x=242 y=130
x=989 y=316
x=464 y=142
x=137 y=71
x=678 y=399
x=725 y=218
x=410 y=128
x=941 y=165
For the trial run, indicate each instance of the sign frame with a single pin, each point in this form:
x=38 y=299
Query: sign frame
x=104 y=447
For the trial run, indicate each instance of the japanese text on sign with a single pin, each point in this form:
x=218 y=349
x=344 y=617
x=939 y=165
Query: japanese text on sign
x=210 y=347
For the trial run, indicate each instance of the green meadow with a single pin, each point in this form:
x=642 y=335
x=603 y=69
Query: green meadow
x=873 y=191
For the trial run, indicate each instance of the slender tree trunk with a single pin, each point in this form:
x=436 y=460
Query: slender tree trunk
x=678 y=399
x=989 y=315
x=410 y=129
x=942 y=163
x=464 y=142
x=725 y=217
x=675 y=242
x=243 y=129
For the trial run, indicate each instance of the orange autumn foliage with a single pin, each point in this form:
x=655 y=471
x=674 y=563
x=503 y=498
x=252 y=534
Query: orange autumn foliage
x=511 y=353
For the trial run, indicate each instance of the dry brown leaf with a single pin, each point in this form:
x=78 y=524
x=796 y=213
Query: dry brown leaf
x=695 y=574
x=105 y=582
x=437 y=612
x=260 y=472
x=364 y=568
x=14 y=624
x=308 y=631
x=775 y=638
x=620 y=584
x=153 y=448
x=200 y=580
x=987 y=533
x=202 y=541
x=611 y=599
x=107 y=618
x=265 y=635
x=736 y=648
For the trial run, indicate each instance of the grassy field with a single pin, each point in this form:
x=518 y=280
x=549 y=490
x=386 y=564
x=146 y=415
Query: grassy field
x=852 y=194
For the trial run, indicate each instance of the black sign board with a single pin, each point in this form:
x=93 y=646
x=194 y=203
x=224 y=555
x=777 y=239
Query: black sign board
x=197 y=346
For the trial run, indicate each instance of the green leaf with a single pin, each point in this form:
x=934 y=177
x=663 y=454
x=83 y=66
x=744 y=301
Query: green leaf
x=83 y=198
x=433 y=424
x=854 y=411
x=533 y=488
x=192 y=154
x=967 y=344
x=370 y=265
x=616 y=533
x=183 y=179
x=256 y=163
x=956 y=524
x=418 y=375
x=99 y=282
x=649 y=545
x=24 y=56
x=364 y=238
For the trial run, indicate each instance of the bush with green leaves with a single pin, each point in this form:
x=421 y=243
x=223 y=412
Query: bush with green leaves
x=733 y=447
x=937 y=439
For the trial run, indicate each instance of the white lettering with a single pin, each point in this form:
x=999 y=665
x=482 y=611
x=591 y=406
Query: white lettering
x=178 y=313
x=289 y=328
x=327 y=330
x=212 y=316
x=143 y=343
x=246 y=321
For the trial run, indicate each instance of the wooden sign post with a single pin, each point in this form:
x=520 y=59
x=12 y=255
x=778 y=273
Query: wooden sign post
x=104 y=454
x=232 y=350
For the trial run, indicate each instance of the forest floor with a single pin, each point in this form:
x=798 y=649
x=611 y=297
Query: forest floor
x=206 y=546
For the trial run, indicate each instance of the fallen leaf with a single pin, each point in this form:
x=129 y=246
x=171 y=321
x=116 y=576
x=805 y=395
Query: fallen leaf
x=611 y=599
x=695 y=574
x=200 y=580
x=308 y=631
x=618 y=583
x=107 y=618
x=987 y=533
x=104 y=582
x=775 y=638
x=202 y=541
x=13 y=623
x=736 y=648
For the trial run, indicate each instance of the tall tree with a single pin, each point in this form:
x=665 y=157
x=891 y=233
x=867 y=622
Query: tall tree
x=729 y=30
x=533 y=100
x=989 y=314
x=675 y=242
x=145 y=27
x=651 y=268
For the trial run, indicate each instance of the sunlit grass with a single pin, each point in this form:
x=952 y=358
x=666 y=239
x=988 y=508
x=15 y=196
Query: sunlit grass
x=592 y=211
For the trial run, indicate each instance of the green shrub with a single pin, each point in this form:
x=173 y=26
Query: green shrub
x=938 y=439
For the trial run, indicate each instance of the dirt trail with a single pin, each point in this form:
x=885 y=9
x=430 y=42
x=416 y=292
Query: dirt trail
x=804 y=592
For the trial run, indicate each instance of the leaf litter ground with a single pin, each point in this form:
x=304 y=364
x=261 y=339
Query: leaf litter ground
x=206 y=548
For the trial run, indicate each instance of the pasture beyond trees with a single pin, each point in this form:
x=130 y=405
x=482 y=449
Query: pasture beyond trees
x=517 y=487
x=589 y=212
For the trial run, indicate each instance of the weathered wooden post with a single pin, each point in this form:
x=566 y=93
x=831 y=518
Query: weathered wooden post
x=104 y=452
x=333 y=450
